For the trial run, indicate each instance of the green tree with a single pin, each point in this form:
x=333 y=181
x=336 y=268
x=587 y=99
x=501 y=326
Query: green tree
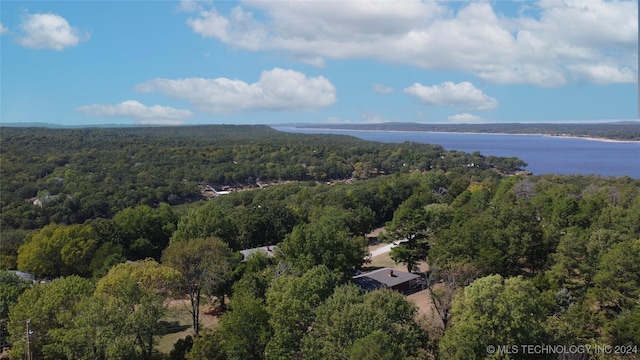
x=48 y=308
x=11 y=241
x=263 y=223
x=624 y=329
x=617 y=280
x=323 y=242
x=291 y=304
x=209 y=220
x=205 y=264
x=134 y=295
x=245 y=329
x=145 y=231
x=348 y=316
x=493 y=311
x=375 y=346
x=11 y=287
x=58 y=250
x=207 y=347
x=410 y=224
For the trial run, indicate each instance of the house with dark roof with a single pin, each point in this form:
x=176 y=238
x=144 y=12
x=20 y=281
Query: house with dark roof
x=388 y=278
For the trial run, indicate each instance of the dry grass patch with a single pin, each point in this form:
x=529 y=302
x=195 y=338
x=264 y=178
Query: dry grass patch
x=178 y=323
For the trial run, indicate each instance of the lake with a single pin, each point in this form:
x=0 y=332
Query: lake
x=544 y=154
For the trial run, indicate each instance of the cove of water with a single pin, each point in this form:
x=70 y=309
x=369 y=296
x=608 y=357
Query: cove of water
x=543 y=154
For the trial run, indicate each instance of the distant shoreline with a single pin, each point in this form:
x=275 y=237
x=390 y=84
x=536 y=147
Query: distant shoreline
x=590 y=138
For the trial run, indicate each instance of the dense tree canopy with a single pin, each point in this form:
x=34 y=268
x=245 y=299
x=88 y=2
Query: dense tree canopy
x=494 y=311
x=556 y=255
x=348 y=316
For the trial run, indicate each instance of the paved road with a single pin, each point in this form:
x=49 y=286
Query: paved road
x=385 y=249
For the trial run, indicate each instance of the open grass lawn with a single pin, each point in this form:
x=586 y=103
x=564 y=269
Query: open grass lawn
x=178 y=324
x=381 y=261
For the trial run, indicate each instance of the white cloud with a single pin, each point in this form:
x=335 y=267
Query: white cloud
x=277 y=90
x=536 y=49
x=462 y=95
x=3 y=29
x=381 y=89
x=603 y=74
x=466 y=118
x=49 y=31
x=192 y=5
x=140 y=113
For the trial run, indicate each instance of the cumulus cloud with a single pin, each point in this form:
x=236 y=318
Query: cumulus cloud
x=538 y=46
x=462 y=95
x=466 y=118
x=49 y=31
x=603 y=74
x=140 y=113
x=276 y=90
x=3 y=29
x=381 y=89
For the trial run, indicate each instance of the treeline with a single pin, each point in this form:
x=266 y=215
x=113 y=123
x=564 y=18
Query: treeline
x=68 y=176
x=614 y=130
x=513 y=260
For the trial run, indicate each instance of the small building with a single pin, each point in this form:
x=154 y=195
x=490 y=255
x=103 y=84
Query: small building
x=24 y=275
x=388 y=278
x=269 y=250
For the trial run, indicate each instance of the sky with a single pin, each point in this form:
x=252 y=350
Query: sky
x=325 y=61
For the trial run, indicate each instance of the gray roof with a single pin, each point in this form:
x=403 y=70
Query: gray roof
x=269 y=250
x=385 y=277
x=24 y=275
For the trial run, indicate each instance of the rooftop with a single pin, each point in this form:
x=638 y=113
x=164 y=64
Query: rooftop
x=385 y=277
x=269 y=250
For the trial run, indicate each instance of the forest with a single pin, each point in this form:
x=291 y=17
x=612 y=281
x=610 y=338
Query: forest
x=118 y=227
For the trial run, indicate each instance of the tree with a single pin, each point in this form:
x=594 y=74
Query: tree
x=204 y=264
x=209 y=220
x=444 y=283
x=58 y=250
x=11 y=287
x=134 y=296
x=410 y=224
x=493 y=311
x=145 y=231
x=11 y=241
x=264 y=223
x=323 y=242
x=291 y=304
x=48 y=308
x=245 y=329
x=348 y=316
x=208 y=346
x=617 y=281
x=375 y=346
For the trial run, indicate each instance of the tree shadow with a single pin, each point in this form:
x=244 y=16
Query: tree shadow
x=171 y=327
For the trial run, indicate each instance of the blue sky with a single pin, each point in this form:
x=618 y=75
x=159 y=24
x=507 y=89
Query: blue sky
x=277 y=61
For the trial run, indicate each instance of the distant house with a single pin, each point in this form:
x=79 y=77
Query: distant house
x=24 y=275
x=268 y=250
x=388 y=278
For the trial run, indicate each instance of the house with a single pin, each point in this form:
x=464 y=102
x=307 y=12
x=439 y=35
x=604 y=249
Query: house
x=388 y=278
x=269 y=250
x=24 y=275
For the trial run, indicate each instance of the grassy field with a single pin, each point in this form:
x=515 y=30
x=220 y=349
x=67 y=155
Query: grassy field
x=178 y=324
